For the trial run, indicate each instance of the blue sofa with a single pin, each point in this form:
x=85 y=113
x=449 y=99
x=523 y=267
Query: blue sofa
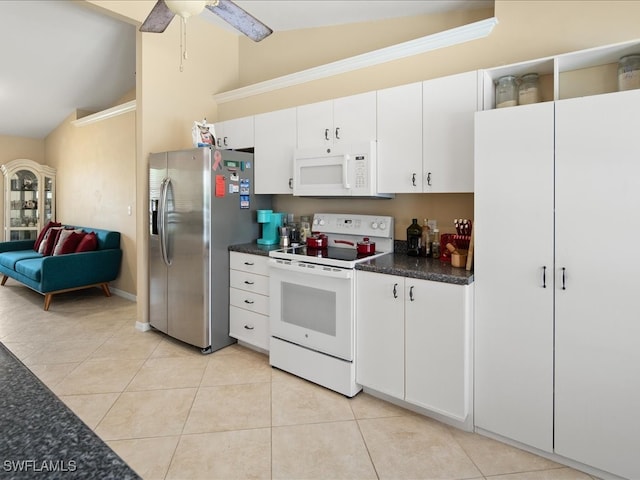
x=49 y=275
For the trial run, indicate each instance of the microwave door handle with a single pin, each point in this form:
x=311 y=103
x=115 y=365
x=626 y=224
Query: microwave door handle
x=345 y=171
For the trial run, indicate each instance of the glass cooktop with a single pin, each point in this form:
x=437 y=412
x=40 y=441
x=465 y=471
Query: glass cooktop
x=334 y=253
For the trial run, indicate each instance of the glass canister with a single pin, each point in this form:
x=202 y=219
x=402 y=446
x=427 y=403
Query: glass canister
x=507 y=91
x=528 y=91
x=629 y=72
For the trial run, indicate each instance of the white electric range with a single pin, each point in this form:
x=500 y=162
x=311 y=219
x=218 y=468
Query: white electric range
x=312 y=294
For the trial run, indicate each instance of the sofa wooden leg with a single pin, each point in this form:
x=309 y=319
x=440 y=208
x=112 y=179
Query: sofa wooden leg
x=47 y=300
x=4 y=280
x=105 y=289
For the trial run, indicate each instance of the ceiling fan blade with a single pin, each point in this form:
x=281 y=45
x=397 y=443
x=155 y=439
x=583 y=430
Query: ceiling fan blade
x=241 y=20
x=159 y=19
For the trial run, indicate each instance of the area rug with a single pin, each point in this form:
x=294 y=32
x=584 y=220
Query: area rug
x=40 y=437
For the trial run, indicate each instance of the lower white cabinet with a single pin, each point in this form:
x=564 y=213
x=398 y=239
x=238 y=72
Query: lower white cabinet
x=414 y=341
x=249 y=299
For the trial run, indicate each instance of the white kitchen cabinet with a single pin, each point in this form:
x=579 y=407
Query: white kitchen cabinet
x=399 y=113
x=249 y=299
x=438 y=347
x=275 y=143
x=414 y=341
x=449 y=105
x=380 y=332
x=345 y=120
x=557 y=367
x=234 y=134
x=597 y=363
x=513 y=253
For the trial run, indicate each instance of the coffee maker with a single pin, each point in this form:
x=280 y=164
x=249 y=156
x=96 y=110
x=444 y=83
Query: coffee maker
x=270 y=223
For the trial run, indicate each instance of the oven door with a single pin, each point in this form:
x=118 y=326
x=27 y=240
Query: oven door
x=313 y=306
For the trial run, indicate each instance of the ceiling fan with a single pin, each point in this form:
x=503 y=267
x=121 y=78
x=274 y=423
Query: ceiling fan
x=164 y=11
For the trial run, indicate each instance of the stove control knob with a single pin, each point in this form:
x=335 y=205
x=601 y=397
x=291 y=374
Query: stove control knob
x=383 y=226
x=374 y=225
x=321 y=221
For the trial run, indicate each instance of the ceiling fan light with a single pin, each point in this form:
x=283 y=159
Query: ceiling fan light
x=186 y=8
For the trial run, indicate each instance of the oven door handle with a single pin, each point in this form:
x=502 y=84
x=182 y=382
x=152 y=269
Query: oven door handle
x=305 y=268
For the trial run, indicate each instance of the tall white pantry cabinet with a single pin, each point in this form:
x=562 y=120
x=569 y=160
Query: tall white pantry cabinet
x=557 y=199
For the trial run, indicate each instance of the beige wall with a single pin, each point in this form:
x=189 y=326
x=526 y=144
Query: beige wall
x=169 y=101
x=96 y=182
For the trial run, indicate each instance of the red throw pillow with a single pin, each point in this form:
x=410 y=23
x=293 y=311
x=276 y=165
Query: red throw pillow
x=68 y=241
x=49 y=241
x=88 y=243
x=43 y=232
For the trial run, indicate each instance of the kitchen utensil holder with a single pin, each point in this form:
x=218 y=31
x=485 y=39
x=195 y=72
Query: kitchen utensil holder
x=461 y=242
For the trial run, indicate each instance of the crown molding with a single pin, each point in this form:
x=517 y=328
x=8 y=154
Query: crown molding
x=104 y=114
x=447 y=38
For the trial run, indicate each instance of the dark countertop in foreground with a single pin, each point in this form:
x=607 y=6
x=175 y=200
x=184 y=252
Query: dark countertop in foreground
x=403 y=265
x=42 y=437
x=393 y=264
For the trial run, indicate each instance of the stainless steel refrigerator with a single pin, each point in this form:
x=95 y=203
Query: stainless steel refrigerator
x=200 y=201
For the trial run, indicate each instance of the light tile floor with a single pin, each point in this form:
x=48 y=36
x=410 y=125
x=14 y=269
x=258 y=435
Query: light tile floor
x=172 y=413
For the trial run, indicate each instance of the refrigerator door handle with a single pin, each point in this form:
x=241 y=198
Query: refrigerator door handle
x=162 y=213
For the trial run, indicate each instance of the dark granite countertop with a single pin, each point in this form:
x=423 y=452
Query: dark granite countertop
x=393 y=264
x=417 y=267
x=254 y=249
x=42 y=438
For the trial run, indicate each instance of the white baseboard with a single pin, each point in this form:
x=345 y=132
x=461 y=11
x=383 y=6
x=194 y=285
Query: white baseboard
x=123 y=294
x=143 y=326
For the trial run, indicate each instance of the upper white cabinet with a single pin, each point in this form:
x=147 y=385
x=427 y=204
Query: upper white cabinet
x=448 y=108
x=399 y=114
x=29 y=201
x=234 y=134
x=571 y=75
x=275 y=143
x=556 y=319
x=344 y=120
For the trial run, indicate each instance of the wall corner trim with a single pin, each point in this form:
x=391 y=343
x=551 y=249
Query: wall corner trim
x=447 y=38
x=104 y=114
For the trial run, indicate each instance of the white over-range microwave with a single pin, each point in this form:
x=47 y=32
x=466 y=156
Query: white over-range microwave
x=337 y=171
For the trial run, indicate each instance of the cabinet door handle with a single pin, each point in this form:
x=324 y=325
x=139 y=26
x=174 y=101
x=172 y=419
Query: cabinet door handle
x=395 y=290
x=544 y=276
x=249 y=263
x=225 y=141
x=291 y=183
x=337 y=133
x=411 y=293
x=429 y=178
x=248 y=282
x=326 y=134
x=564 y=272
x=248 y=327
x=250 y=302
x=413 y=179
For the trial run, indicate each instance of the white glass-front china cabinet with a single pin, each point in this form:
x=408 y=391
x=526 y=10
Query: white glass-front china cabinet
x=29 y=198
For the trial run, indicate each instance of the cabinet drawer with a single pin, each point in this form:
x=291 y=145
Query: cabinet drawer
x=249 y=301
x=250 y=327
x=249 y=282
x=249 y=263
